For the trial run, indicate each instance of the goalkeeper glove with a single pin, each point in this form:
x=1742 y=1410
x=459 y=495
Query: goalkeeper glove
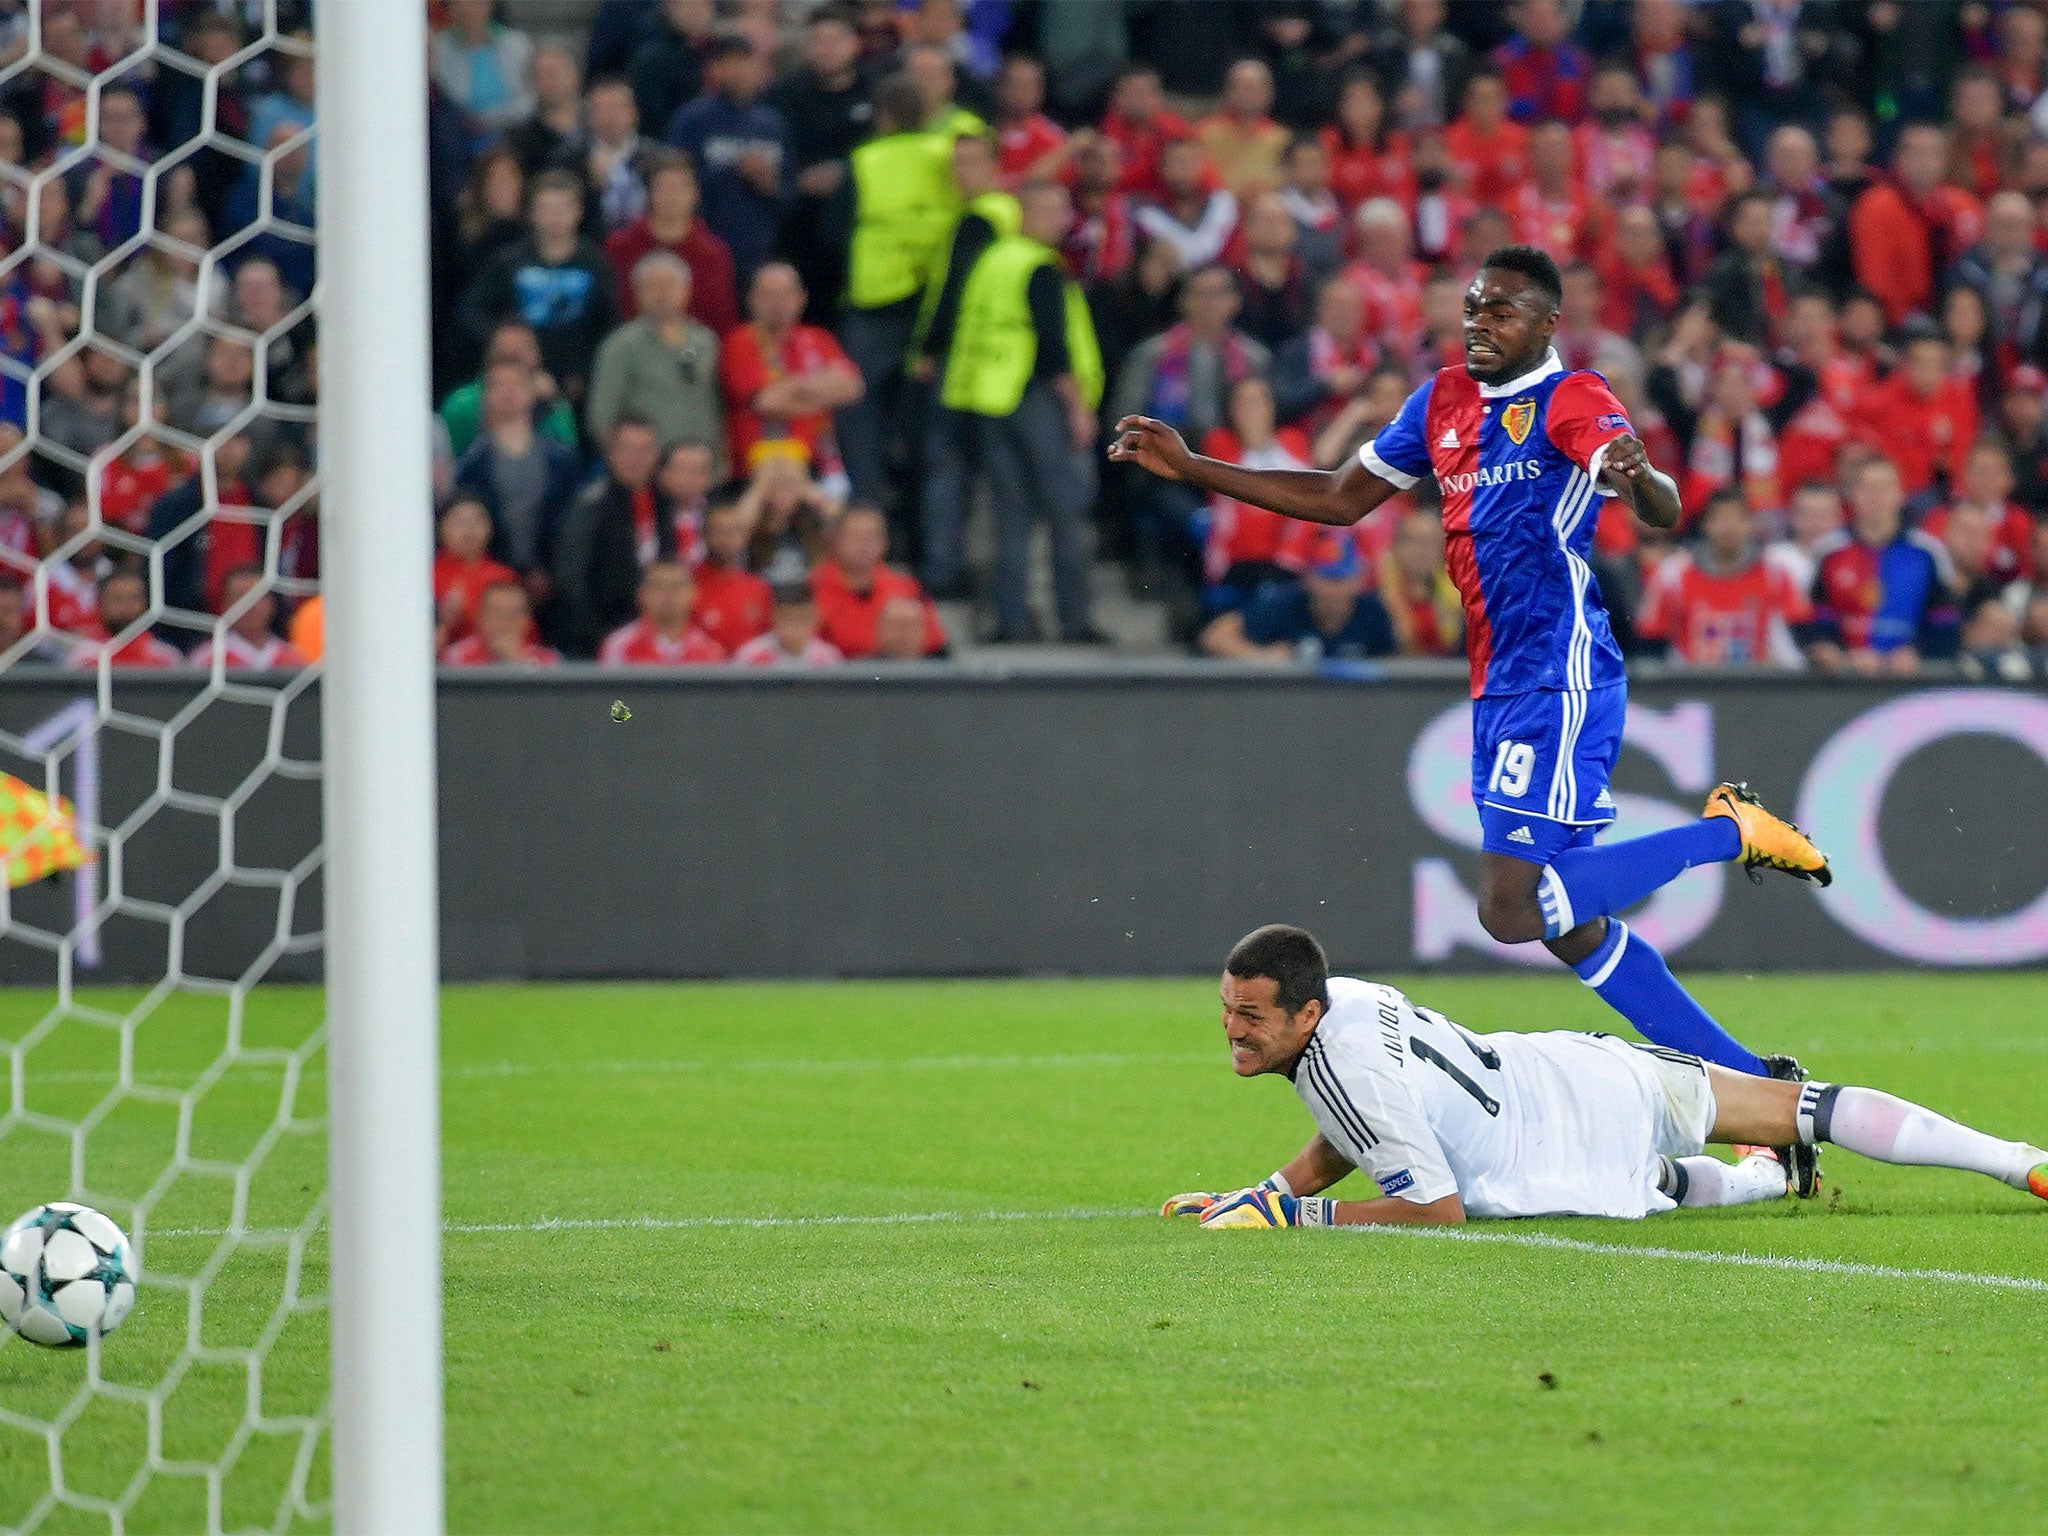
x=1199 y=1202
x=1262 y=1208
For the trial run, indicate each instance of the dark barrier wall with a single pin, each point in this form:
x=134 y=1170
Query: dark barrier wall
x=954 y=824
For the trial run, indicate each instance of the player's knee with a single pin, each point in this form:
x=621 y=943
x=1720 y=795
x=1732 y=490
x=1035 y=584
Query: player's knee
x=1510 y=917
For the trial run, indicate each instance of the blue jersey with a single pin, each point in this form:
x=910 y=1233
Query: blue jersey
x=1519 y=465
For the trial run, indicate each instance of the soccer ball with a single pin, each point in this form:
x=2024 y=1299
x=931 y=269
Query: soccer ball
x=65 y=1274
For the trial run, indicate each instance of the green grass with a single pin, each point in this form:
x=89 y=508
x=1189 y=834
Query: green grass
x=1113 y=1372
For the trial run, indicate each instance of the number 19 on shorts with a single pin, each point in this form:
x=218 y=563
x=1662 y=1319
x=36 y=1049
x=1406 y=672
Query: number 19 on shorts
x=1512 y=766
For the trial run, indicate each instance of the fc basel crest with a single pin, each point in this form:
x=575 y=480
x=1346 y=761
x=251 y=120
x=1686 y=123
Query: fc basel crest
x=1518 y=419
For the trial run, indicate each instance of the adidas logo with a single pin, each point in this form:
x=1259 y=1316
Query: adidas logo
x=1522 y=835
x=1449 y=439
x=1603 y=801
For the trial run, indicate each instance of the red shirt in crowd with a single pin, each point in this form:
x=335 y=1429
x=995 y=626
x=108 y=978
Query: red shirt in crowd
x=1613 y=158
x=1899 y=244
x=1361 y=171
x=640 y=644
x=1305 y=544
x=1425 y=628
x=1140 y=145
x=732 y=606
x=1713 y=619
x=474 y=653
x=1393 y=304
x=1239 y=533
x=74 y=599
x=763 y=651
x=847 y=619
x=749 y=361
x=131 y=484
x=1845 y=379
x=1021 y=145
x=1921 y=435
x=1491 y=165
x=145 y=650
x=465 y=580
x=1810 y=440
x=271 y=655
x=1103 y=240
x=714 y=291
x=1569 y=228
x=1633 y=298
x=2012 y=540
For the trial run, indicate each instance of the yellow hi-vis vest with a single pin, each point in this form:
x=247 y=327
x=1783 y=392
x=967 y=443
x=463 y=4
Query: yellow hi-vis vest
x=1003 y=214
x=904 y=202
x=994 y=342
x=957 y=123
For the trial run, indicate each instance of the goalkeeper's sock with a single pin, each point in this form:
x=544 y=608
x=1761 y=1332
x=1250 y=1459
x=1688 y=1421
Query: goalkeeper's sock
x=1581 y=884
x=1633 y=980
x=1894 y=1131
x=1703 y=1181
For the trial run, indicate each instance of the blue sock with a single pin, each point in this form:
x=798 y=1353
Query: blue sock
x=1633 y=980
x=1581 y=884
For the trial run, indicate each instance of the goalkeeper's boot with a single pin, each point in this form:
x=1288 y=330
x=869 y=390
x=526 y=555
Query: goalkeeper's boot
x=2037 y=1176
x=1802 y=1163
x=1768 y=841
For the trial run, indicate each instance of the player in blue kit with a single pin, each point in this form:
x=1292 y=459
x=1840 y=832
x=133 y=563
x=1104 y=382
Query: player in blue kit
x=1522 y=448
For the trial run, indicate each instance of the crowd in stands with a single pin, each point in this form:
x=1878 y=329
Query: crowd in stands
x=743 y=310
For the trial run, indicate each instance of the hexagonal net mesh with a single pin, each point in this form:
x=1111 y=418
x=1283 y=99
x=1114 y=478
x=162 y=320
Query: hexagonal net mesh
x=159 y=756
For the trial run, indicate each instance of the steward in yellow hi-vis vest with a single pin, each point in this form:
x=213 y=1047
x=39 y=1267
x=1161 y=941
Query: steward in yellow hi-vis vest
x=996 y=345
x=901 y=206
x=1026 y=367
x=989 y=214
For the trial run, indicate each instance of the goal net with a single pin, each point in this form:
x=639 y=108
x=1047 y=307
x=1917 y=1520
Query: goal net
x=161 y=923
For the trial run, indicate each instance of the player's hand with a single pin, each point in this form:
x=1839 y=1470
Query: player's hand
x=1151 y=445
x=1253 y=1209
x=1197 y=1202
x=1627 y=457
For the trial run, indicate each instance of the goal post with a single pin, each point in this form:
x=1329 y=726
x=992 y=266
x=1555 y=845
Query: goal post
x=377 y=723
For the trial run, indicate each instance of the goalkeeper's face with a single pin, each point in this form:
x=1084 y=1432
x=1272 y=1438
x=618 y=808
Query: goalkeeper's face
x=1263 y=1036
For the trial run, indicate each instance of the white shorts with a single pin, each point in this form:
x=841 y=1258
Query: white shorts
x=1684 y=1111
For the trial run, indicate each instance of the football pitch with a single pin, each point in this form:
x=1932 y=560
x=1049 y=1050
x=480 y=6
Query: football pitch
x=883 y=1257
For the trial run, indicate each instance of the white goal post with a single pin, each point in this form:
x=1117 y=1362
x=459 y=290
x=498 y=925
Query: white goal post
x=377 y=729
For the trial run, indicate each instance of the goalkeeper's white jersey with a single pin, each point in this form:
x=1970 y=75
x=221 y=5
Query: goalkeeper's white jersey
x=1514 y=1124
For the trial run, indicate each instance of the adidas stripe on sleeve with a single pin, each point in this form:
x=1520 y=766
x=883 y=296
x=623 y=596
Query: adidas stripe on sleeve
x=1366 y=1109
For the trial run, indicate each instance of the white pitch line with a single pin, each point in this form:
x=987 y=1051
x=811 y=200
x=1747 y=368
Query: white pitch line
x=469 y=1071
x=839 y=1064
x=1740 y=1260
x=1539 y=1240
x=691 y=1223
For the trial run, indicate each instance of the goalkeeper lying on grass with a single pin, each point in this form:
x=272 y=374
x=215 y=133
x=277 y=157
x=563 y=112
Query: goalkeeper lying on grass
x=1451 y=1124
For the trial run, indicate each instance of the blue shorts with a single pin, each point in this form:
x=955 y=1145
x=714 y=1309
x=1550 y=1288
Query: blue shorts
x=1540 y=764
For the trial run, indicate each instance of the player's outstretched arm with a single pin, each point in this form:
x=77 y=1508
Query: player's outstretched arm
x=1315 y=1168
x=1393 y=1211
x=1651 y=493
x=1337 y=499
x=1255 y=1209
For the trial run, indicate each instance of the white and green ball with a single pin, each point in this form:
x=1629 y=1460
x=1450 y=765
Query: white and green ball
x=65 y=1275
